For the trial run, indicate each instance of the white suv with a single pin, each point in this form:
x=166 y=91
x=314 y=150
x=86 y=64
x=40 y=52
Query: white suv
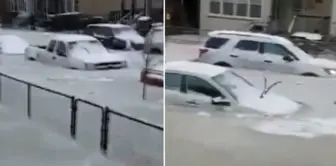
x=262 y=52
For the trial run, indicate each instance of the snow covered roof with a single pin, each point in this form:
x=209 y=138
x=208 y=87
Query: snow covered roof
x=194 y=67
x=144 y=18
x=67 y=13
x=72 y=37
x=308 y=35
x=110 y=25
x=226 y=33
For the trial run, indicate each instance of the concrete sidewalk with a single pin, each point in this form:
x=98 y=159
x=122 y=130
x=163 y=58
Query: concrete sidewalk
x=25 y=143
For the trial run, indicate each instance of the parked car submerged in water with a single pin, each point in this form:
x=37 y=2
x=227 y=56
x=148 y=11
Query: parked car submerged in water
x=209 y=87
x=116 y=36
x=76 y=52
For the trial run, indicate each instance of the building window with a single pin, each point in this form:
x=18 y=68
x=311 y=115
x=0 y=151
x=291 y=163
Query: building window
x=238 y=8
x=255 y=8
x=215 y=6
x=228 y=7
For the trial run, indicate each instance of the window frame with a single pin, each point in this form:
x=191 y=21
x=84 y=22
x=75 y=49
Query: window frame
x=58 y=51
x=185 y=84
x=234 y=15
x=247 y=40
x=180 y=89
x=52 y=45
x=262 y=50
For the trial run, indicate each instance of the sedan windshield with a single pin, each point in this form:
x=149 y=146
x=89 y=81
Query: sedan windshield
x=89 y=46
x=233 y=83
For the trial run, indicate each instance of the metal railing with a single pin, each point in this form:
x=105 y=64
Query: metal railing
x=105 y=111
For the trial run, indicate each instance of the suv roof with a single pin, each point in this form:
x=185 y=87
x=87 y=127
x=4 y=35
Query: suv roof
x=260 y=36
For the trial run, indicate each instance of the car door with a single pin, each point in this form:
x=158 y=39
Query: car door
x=246 y=54
x=273 y=58
x=49 y=53
x=61 y=55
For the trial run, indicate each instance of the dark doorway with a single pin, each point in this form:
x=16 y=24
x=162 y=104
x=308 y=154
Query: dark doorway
x=192 y=12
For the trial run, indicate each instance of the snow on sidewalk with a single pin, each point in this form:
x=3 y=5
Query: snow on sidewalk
x=24 y=142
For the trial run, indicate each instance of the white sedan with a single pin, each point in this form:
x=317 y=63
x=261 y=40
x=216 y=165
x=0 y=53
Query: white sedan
x=77 y=52
x=209 y=87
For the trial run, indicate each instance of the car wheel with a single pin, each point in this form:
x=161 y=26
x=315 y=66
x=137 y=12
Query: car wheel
x=309 y=75
x=222 y=64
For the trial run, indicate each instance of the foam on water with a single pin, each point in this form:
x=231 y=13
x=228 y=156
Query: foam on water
x=307 y=128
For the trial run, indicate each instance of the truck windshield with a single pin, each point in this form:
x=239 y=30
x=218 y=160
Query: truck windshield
x=233 y=83
x=89 y=46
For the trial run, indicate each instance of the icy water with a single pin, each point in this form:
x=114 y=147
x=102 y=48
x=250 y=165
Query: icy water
x=316 y=93
x=130 y=143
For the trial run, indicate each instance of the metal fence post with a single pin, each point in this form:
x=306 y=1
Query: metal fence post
x=29 y=101
x=104 y=132
x=73 y=123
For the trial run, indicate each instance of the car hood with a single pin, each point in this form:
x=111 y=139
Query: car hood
x=134 y=37
x=270 y=104
x=325 y=63
x=100 y=58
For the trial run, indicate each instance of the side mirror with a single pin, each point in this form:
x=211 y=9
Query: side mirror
x=220 y=101
x=287 y=58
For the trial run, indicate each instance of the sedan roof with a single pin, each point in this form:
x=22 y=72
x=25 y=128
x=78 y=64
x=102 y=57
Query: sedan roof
x=204 y=69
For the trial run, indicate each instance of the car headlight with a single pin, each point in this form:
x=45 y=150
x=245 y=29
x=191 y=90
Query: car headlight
x=330 y=71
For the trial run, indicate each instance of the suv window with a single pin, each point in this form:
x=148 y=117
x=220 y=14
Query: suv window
x=215 y=42
x=275 y=49
x=51 y=46
x=199 y=85
x=173 y=81
x=61 y=49
x=248 y=45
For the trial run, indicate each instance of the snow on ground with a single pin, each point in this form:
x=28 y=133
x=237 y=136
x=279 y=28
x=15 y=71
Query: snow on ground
x=314 y=92
x=121 y=90
x=24 y=142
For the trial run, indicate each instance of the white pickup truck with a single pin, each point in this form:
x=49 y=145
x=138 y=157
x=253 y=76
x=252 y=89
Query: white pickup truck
x=76 y=52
